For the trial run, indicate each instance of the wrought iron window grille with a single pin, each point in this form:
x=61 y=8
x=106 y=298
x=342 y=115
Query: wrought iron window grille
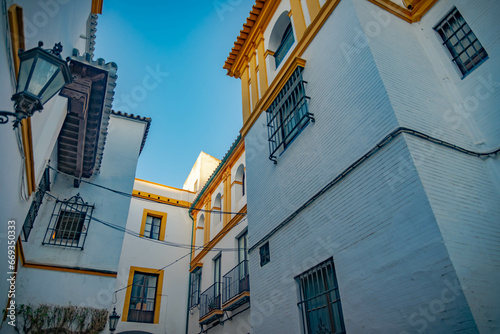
x=319 y=303
x=288 y=114
x=29 y=221
x=69 y=223
x=465 y=49
x=210 y=299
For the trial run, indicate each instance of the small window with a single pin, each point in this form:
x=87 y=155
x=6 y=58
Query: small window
x=286 y=43
x=288 y=114
x=153 y=225
x=320 y=300
x=265 y=256
x=152 y=228
x=195 y=287
x=143 y=298
x=242 y=248
x=465 y=49
x=69 y=223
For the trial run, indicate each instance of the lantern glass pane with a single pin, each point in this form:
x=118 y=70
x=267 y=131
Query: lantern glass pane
x=54 y=87
x=24 y=72
x=42 y=73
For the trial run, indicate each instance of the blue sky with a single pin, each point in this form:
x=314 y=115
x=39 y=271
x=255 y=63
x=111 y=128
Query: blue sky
x=170 y=56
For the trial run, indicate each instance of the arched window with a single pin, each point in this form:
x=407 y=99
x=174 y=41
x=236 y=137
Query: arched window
x=200 y=231
x=281 y=39
x=217 y=209
x=240 y=178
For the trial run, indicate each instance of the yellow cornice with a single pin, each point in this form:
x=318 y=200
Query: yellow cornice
x=211 y=244
x=160 y=199
x=260 y=25
x=195 y=266
x=162 y=185
x=96 y=6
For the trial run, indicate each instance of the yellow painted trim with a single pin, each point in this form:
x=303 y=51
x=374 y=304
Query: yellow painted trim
x=394 y=9
x=159 y=290
x=211 y=314
x=299 y=22
x=160 y=199
x=157 y=214
x=262 y=66
x=95 y=272
x=289 y=13
x=236 y=154
x=195 y=266
x=313 y=7
x=162 y=185
x=68 y=270
x=268 y=53
x=262 y=21
x=16 y=25
x=199 y=228
x=227 y=191
x=255 y=85
x=97 y=6
x=421 y=9
x=208 y=218
x=236 y=182
x=245 y=94
x=212 y=243
x=410 y=16
x=235 y=299
x=301 y=47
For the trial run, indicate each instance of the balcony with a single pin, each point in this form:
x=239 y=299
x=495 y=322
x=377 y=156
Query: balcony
x=236 y=288
x=210 y=304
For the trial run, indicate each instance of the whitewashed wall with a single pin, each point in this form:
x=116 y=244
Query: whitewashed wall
x=142 y=252
x=392 y=223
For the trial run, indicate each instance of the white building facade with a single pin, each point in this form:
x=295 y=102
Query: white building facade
x=67 y=171
x=152 y=284
x=373 y=172
x=219 y=294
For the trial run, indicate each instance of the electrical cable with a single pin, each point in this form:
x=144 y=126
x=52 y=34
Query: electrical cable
x=138 y=235
x=386 y=140
x=145 y=199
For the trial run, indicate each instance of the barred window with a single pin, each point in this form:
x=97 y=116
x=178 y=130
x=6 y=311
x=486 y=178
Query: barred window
x=320 y=300
x=466 y=50
x=143 y=298
x=69 y=223
x=36 y=204
x=195 y=288
x=288 y=114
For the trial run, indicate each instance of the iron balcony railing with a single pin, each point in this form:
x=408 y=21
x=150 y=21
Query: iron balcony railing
x=36 y=204
x=236 y=281
x=210 y=299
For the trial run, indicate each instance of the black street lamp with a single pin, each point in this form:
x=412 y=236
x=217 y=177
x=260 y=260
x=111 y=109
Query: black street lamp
x=113 y=320
x=42 y=73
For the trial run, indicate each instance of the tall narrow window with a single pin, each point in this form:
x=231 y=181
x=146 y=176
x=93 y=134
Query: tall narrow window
x=320 y=300
x=195 y=287
x=243 y=184
x=152 y=228
x=465 y=49
x=265 y=255
x=153 y=224
x=285 y=45
x=242 y=248
x=217 y=280
x=69 y=223
x=143 y=298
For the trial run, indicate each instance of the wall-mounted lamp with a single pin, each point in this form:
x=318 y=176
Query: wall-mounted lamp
x=113 y=320
x=42 y=73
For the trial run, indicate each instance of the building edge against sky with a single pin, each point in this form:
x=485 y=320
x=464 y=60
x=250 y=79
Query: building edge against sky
x=368 y=132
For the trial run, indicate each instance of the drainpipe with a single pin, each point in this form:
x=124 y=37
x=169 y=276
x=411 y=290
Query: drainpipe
x=189 y=272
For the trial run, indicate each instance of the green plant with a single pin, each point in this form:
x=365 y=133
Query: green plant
x=51 y=319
